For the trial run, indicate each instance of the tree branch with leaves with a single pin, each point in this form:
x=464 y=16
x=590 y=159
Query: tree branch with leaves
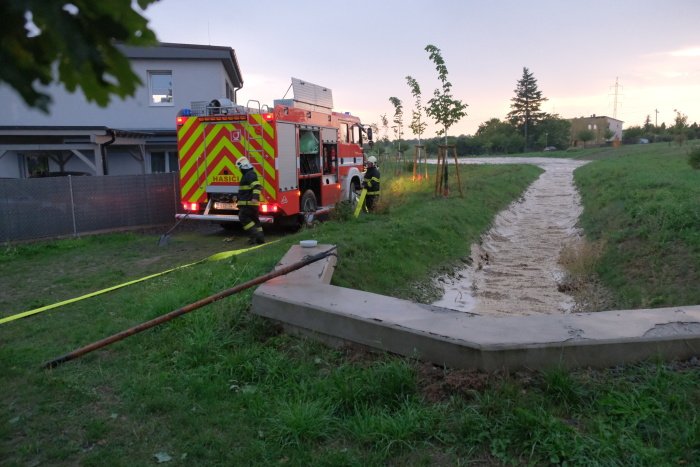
x=70 y=42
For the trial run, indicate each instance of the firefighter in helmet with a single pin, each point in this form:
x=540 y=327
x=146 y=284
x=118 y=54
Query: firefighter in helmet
x=371 y=183
x=248 y=202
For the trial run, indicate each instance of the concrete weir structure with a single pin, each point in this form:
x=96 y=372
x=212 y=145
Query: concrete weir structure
x=305 y=303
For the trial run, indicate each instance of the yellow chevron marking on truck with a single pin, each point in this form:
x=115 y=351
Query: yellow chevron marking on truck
x=267 y=126
x=211 y=132
x=185 y=148
x=224 y=165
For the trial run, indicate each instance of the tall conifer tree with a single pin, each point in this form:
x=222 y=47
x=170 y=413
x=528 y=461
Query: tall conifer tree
x=526 y=104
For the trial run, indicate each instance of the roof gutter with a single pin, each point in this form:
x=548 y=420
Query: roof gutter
x=103 y=149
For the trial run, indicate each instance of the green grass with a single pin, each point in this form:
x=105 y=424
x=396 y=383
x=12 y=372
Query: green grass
x=645 y=205
x=222 y=387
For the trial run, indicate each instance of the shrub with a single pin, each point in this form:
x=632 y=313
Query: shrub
x=343 y=211
x=694 y=158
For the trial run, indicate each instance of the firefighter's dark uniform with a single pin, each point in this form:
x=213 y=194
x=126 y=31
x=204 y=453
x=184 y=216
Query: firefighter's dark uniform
x=371 y=183
x=248 y=202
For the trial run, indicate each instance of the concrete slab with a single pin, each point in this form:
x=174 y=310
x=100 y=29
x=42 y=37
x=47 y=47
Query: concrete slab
x=305 y=303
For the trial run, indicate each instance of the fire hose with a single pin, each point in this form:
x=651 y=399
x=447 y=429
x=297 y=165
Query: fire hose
x=187 y=308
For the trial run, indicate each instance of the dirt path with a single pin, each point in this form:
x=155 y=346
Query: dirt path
x=515 y=269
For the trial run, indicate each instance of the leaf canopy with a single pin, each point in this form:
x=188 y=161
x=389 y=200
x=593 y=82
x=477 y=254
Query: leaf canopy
x=74 y=43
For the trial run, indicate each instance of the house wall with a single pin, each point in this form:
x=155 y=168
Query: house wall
x=192 y=80
x=616 y=127
x=119 y=162
x=9 y=165
x=199 y=79
x=597 y=125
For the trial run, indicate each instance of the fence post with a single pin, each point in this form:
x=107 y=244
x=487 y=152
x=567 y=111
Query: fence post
x=72 y=205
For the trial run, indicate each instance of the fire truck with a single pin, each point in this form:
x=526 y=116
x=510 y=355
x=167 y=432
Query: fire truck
x=307 y=157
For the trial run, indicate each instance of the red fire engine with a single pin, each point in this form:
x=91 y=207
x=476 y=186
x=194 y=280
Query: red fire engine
x=307 y=157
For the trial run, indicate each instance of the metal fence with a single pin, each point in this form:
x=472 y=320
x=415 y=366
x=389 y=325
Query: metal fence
x=37 y=208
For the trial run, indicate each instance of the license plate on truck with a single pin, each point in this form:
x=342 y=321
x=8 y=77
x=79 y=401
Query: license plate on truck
x=225 y=205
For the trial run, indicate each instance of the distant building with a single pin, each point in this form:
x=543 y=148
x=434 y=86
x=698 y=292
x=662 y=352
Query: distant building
x=131 y=136
x=598 y=125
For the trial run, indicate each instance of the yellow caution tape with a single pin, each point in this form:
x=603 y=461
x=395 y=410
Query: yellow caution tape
x=214 y=257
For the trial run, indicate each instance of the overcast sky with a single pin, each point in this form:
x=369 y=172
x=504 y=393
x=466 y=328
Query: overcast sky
x=363 y=50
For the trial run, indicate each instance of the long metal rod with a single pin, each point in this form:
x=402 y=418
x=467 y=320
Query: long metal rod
x=186 y=309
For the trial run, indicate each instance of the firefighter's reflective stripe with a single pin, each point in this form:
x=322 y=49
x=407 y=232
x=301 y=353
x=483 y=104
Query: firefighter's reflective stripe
x=249 y=225
x=252 y=186
x=371 y=184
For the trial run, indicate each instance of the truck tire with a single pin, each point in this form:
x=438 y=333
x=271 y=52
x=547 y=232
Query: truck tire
x=307 y=207
x=354 y=192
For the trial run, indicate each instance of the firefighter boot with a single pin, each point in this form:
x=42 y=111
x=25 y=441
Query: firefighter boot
x=258 y=235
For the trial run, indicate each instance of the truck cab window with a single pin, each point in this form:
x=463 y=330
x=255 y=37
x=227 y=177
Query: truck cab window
x=356 y=135
x=344 y=134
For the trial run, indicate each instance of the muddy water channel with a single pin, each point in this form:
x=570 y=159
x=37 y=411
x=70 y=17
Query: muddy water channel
x=514 y=269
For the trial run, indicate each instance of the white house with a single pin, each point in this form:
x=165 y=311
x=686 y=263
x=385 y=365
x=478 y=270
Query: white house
x=131 y=136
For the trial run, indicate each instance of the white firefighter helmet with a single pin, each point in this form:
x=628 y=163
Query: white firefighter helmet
x=372 y=160
x=243 y=163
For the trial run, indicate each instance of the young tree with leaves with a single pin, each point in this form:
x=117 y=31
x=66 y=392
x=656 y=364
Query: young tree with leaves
x=526 y=104
x=446 y=111
x=70 y=42
x=417 y=126
x=384 y=121
x=680 y=128
x=443 y=108
x=398 y=118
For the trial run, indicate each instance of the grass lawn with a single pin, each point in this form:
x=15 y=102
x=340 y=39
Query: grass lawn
x=222 y=387
x=643 y=203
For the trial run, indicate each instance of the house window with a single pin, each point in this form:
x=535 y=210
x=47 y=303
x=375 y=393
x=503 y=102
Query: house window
x=164 y=161
x=229 y=92
x=160 y=85
x=37 y=165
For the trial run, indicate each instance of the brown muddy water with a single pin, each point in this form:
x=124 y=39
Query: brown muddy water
x=514 y=269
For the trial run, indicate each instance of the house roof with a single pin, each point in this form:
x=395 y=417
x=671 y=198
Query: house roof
x=173 y=51
x=34 y=130
x=595 y=117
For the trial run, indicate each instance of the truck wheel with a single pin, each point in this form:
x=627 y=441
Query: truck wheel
x=308 y=206
x=354 y=192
